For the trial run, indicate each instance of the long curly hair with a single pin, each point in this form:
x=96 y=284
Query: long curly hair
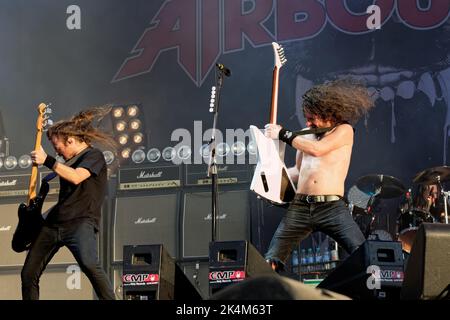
x=344 y=100
x=81 y=127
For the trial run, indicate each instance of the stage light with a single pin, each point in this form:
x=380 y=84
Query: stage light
x=138 y=156
x=138 y=138
x=252 y=148
x=123 y=139
x=121 y=126
x=184 y=152
x=169 y=154
x=25 y=161
x=153 y=155
x=118 y=112
x=10 y=163
x=135 y=124
x=132 y=111
x=125 y=153
x=222 y=149
x=204 y=150
x=238 y=148
x=109 y=156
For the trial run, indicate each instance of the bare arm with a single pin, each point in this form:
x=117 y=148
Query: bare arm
x=75 y=176
x=341 y=136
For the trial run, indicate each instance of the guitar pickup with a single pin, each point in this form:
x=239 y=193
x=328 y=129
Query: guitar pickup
x=264 y=181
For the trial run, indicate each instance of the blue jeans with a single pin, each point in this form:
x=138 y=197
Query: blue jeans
x=332 y=218
x=81 y=240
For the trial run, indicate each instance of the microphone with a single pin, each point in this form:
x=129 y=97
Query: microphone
x=224 y=69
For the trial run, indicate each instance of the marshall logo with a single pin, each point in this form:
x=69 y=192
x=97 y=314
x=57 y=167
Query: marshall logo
x=8 y=183
x=149 y=175
x=222 y=169
x=144 y=221
x=3 y=228
x=221 y=217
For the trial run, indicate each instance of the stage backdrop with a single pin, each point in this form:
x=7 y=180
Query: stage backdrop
x=162 y=56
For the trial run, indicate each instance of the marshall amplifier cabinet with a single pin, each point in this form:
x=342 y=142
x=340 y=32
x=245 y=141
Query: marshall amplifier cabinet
x=233 y=220
x=197 y=174
x=14 y=184
x=149 y=177
x=145 y=219
x=56 y=283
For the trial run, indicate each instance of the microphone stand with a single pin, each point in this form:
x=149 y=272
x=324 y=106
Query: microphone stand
x=446 y=195
x=212 y=163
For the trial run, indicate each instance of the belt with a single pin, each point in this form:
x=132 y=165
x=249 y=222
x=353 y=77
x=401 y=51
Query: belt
x=313 y=198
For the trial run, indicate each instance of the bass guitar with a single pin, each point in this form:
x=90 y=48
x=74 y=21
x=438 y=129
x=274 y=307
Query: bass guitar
x=30 y=216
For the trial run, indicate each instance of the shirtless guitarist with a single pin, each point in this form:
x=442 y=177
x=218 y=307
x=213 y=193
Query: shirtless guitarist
x=321 y=167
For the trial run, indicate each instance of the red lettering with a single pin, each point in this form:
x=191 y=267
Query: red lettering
x=351 y=22
x=210 y=14
x=248 y=24
x=420 y=18
x=299 y=19
x=175 y=29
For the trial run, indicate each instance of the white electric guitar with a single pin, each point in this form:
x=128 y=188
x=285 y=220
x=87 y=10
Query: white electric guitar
x=271 y=180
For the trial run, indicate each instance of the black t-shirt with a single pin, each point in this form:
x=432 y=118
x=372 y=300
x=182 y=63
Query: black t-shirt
x=81 y=202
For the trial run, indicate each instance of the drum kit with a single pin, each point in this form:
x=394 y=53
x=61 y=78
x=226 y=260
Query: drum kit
x=411 y=212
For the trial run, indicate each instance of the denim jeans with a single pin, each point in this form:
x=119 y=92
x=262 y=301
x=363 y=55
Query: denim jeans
x=332 y=218
x=81 y=240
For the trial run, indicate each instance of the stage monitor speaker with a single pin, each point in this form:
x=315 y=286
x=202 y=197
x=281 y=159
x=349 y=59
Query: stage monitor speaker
x=427 y=272
x=232 y=221
x=373 y=271
x=56 y=283
x=140 y=220
x=8 y=224
x=149 y=273
x=274 y=287
x=233 y=261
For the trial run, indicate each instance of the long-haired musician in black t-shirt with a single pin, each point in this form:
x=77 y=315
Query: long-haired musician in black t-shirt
x=74 y=220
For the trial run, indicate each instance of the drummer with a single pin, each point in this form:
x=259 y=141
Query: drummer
x=428 y=201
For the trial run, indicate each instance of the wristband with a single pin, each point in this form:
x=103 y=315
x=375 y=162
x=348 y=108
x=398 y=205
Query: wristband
x=286 y=136
x=49 y=162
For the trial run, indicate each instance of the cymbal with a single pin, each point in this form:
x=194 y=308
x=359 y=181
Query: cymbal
x=387 y=186
x=430 y=176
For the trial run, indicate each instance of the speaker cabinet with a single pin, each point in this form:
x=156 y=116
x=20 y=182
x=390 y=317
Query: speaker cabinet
x=144 y=220
x=232 y=222
x=8 y=224
x=231 y=262
x=149 y=273
x=373 y=271
x=427 y=272
x=56 y=283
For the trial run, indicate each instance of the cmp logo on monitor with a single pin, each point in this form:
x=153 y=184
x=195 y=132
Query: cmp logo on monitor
x=226 y=276
x=139 y=279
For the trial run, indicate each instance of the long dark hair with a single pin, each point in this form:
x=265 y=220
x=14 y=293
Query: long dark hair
x=343 y=101
x=82 y=127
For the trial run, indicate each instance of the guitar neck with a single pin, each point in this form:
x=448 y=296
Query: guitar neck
x=34 y=170
x=274 y=104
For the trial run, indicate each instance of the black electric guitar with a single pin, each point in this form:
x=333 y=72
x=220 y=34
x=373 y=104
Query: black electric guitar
x=30 y=214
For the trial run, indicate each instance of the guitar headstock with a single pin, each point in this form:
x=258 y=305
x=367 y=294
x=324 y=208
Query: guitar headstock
x=280 y=59
x=44 y=121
